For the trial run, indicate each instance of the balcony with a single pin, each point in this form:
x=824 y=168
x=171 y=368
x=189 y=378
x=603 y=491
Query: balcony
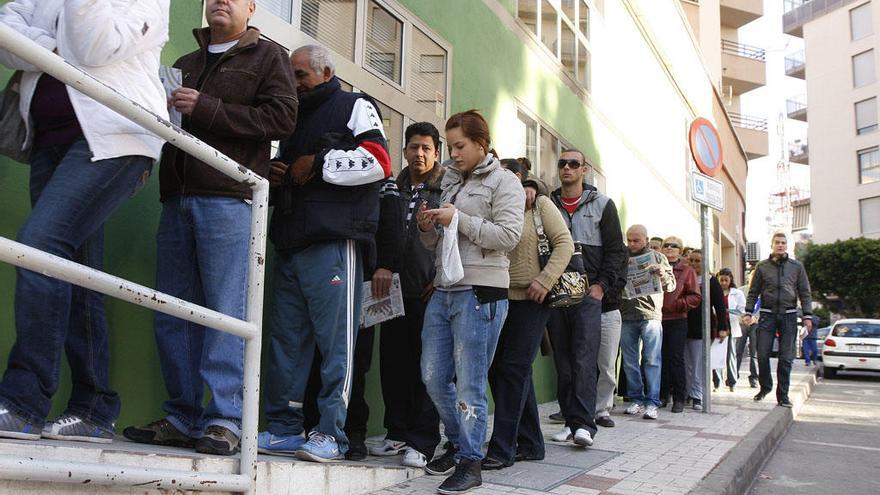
x=799 y=152
x=752 y=134
x=796 y=65
x=799 y=12
x=738 y=13
x=743 y=67
x=692 y=12
x=797 y=108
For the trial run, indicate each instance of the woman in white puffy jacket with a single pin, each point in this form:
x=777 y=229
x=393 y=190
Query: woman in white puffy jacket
x=85 y=161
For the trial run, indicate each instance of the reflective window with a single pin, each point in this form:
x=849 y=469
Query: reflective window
x=866 y=116
x=427 y=81
x=384 y=45
x=863 y=69
x=330 y=22
x=869 y=165
x=860 y=22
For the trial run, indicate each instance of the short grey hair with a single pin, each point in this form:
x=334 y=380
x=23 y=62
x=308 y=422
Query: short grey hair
x=319 y=58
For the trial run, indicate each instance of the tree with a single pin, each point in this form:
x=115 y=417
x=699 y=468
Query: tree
x=847 y=274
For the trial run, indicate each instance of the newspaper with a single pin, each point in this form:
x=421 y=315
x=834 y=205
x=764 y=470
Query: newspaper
x=379 y=310
x=639 y=280
x=172 y=79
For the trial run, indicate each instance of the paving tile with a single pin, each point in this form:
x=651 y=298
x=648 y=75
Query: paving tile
x=592 y=481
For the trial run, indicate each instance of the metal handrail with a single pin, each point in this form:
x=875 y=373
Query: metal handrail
x=30 y=469
x=748 y=122
x=795 y=61
x=789 y=5
x=743 y=50
x=795 y=105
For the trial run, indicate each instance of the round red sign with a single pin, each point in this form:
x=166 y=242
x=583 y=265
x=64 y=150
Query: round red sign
x=705 y=146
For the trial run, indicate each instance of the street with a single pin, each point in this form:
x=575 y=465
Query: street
x=833 y=446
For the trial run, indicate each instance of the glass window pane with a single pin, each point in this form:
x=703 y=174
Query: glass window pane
x=280 y=8
x=330 y=22
x=567 y=50
x=393 y=123
x=863 y=68
x=384 y=37
x=549 y=154
x=583 y=64
x=568 y=7
x=584 y=19
x=548 y=26
x=866 y=116
x=528 y=139
x=428 y=73
x=860 y=22
x=869 y=165
x=527 y=11
x=870 y=213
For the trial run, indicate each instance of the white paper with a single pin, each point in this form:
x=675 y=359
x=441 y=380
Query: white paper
x=378 y=310
x=718 y=353
x=639 y=280
x=172 y=78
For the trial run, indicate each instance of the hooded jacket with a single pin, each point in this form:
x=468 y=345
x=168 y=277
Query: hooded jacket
x=780 y=282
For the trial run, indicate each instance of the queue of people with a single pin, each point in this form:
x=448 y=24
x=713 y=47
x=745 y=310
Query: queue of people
x=478 y=243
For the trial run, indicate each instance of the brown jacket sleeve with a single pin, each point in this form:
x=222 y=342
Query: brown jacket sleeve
x=690 y=297
x=273 y=114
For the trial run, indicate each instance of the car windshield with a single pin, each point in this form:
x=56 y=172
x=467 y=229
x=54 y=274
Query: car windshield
x=857 y=330
x=823 y=332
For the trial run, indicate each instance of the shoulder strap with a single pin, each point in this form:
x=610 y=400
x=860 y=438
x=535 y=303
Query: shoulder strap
x=543 y=242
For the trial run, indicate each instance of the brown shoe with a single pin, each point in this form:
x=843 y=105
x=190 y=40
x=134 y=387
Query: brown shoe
x=218 y=440
x=160 y=432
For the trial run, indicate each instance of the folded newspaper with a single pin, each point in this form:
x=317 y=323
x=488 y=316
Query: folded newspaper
x=378 y=310
x=172 y=78
x=639 y=280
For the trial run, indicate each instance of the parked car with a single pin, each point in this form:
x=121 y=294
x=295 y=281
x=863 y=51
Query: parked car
x=853 y=344
x=821 y=335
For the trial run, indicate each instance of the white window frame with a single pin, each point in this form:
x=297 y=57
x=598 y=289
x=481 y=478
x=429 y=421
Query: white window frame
x=859 y=154
x=861 y=131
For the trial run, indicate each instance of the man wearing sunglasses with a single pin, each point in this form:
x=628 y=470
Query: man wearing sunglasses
x=586 y=337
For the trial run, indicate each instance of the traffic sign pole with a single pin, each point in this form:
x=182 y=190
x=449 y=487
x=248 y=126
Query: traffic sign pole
x=707 y=314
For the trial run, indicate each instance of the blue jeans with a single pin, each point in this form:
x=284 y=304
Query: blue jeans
x=768 y=325
x=458 y=342
x=202 y=257
x=811 y=351
x=317 y=295
x=651 y=334
x=72 y=197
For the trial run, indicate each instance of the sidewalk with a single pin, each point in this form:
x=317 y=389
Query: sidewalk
x=669 y=456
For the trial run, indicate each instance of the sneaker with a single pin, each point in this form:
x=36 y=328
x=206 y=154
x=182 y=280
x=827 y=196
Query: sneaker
x=564 y=435
x=784 y=403
x=635 y=409
x=466 y=477
x=413 y=458
x=698 y=404
x=72 y=427
x=320 y=447
x=677 y=406
x=268 y=443
x=650 y=412
x=388 y=448
x=160 y=432
x=557 y=418
x=14 y=426
x=218 y=440
x=753 y=383
x=443 y=465
x=605 y=421
x=760 y=396
x=582 y=438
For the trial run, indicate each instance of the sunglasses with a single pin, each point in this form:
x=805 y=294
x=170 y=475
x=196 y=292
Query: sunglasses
x=671 y=245
x=572 y=164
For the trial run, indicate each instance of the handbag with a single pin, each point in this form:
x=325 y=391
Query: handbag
x=571 y=288
x=12 y=128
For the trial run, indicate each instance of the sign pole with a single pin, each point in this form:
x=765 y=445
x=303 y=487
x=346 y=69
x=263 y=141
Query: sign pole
x=707 y=314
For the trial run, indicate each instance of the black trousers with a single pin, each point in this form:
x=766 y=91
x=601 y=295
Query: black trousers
x=517 y=427
x=358 y=410
x=410 y=415
x=575 y=334
x=672 y=371
x=768 y=325
x=750 y=338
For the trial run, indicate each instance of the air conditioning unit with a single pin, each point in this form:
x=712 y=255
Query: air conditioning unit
x=753 y=252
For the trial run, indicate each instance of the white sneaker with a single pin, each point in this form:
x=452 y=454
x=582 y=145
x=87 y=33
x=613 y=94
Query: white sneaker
x=413 y=458
x=635 y=409
x=583 y=438
x=650 y=412
x=388 y=448
x=563 y=436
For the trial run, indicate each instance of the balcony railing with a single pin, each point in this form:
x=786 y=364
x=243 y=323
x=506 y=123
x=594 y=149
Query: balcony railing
x=743 y=50
x=796 y=108
x=748 y=122
x=799 y=152
x=795 y=62
x=789 y=5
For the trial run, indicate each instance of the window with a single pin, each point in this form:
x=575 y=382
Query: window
x=393 y=123
x=280 y=8
x=863 y=69
x=869 y=165
x=384 y=42
x=428 y=73
x=542 y=146
x=330 y=22
x=547 y=170
x=528 y=138
x=860 y=22
x=563 y=26
x=870 y=213
x=866 y=116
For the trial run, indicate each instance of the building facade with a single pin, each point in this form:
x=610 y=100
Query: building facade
x=620 y=80
x=841 y=46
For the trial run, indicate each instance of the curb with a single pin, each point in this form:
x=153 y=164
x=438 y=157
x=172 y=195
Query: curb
x=738 y=469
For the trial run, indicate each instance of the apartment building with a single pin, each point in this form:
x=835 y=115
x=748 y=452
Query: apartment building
x=841 y=44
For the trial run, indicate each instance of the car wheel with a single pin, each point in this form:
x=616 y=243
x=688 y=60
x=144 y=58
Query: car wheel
x=829 y=373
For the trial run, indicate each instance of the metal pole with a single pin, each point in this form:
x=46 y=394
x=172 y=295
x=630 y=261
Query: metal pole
x=707 y=314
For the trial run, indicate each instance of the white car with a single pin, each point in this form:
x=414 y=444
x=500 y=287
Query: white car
x=853 y=344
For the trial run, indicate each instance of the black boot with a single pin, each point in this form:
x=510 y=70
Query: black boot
x=357 y=449
x=466 y=477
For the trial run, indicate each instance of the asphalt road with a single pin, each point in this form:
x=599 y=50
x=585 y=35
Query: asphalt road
x=833 y=446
